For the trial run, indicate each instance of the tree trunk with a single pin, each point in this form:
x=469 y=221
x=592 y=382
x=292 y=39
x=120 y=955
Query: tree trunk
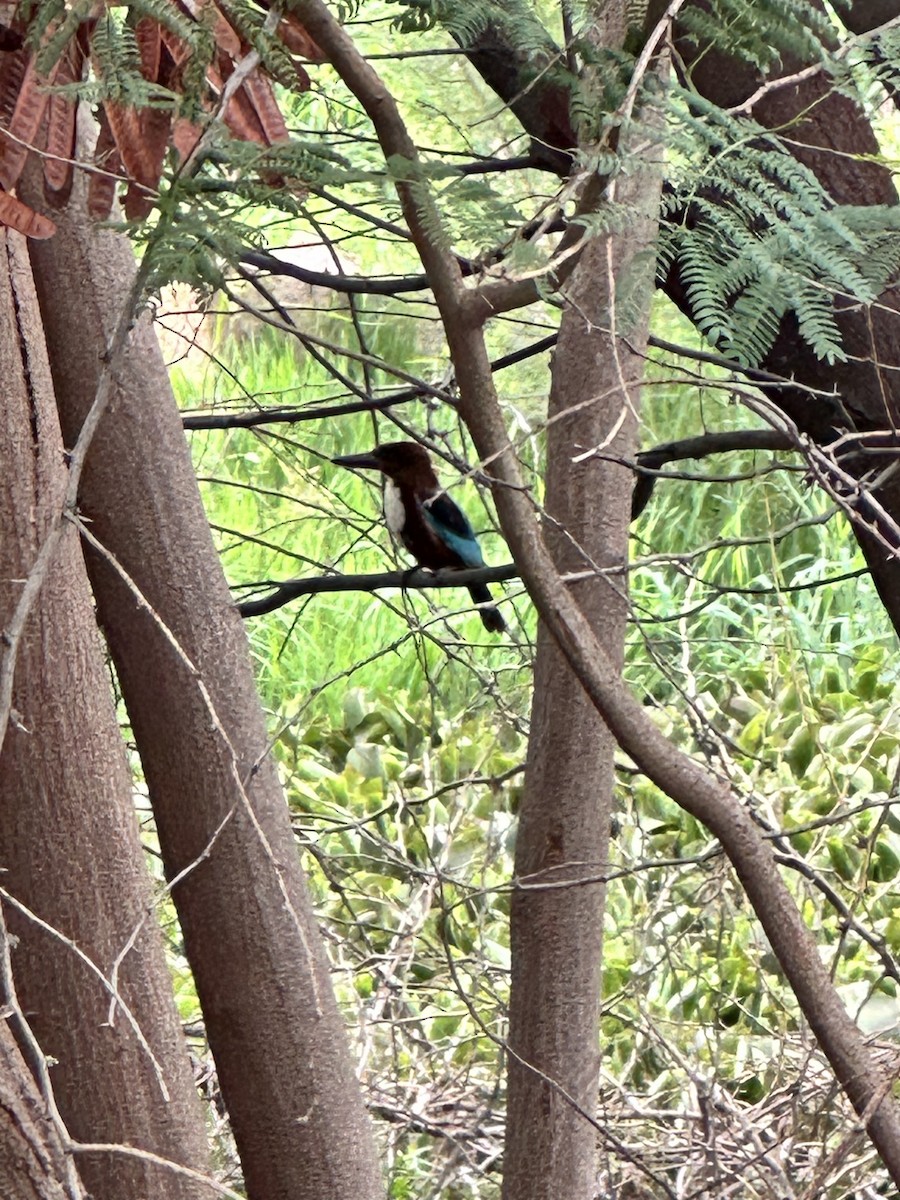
x=250 y=933
x=556 y=922
x=70 y=846
x=564 y=820
x=32 y=1160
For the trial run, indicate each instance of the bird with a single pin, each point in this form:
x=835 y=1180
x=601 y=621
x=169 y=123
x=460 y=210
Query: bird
x=433 y=528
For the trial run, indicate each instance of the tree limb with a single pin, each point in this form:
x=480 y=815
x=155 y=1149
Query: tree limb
x=287 y=416
x=350 y=285
x=650 y=461
x=415 y=579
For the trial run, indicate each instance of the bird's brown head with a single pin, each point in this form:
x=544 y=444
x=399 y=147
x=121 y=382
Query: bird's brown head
x=403 y=462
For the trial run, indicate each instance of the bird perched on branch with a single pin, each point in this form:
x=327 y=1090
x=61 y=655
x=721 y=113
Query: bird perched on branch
x=430 y=525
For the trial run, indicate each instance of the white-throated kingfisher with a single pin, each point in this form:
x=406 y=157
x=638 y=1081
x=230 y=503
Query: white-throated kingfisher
x=419 y=512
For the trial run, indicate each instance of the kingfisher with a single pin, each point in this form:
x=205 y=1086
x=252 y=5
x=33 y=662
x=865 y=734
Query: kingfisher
x=430 y=525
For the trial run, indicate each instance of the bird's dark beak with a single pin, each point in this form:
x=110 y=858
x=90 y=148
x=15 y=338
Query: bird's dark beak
x=368 y=460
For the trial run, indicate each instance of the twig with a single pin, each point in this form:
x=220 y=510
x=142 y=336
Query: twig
x=649 y=461
x=157 y=1159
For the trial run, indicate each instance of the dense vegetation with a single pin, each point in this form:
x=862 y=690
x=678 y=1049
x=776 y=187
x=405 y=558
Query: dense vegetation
x=401 y=734
x=756 y=643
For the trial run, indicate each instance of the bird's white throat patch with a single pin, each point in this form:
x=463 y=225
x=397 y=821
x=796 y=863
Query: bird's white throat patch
x=394 y=512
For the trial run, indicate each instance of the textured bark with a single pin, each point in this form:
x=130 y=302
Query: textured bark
x=69 y=841
x=250 y=934
x=32 y=1160
x=564 y=820
x=862 y=15
x=543 y=110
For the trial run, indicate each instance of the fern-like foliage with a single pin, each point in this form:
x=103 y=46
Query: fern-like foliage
x=117 y=65
x=52 y=27
x=209 y=218
x=597 y=93
x=515 y=20
x=756 y=237
x=766 y=33
x=871 y=66
x=248 y=21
